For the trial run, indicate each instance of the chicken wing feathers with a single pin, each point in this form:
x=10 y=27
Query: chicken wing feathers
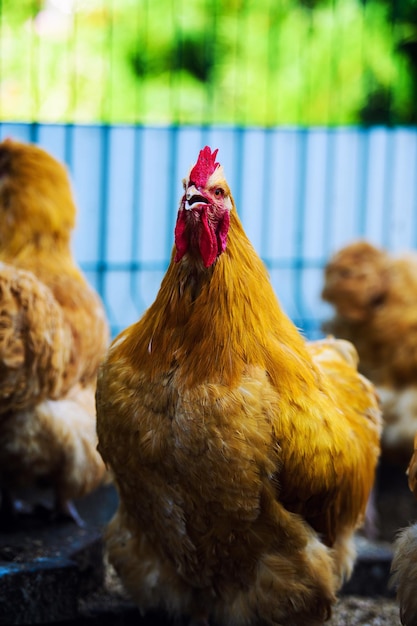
x=34 y=342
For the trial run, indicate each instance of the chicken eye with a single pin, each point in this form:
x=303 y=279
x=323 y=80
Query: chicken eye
x=219 y=192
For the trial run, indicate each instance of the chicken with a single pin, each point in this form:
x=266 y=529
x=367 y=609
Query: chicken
x=243 y=456
x=404 y=563
x=53 y=334
x=374 y=296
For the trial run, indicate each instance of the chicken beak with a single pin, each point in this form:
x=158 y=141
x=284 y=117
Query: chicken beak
x=193 y=198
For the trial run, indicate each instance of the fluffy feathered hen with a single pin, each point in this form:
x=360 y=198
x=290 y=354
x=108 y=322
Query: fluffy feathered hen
x=374 y=296
x=53 y=334
x=243 y=456
x=404 y=564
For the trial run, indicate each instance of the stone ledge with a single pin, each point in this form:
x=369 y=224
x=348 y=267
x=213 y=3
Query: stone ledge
x=46 y=568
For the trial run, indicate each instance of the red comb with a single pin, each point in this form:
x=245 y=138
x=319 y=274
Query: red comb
x=205 y=166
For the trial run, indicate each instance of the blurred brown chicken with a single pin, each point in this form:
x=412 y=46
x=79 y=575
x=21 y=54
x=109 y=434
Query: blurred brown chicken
x=404 y=564
x=374 y=296
x=53 y=334
x=243 y=456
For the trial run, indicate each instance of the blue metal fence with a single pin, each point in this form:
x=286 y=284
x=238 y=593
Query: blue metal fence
x=301 y=194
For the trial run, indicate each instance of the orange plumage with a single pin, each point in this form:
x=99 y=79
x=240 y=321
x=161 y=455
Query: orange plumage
x=243 y=456
x=374 y=295
x=53 y=333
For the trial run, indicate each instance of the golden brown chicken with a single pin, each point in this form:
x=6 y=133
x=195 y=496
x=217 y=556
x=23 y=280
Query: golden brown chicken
x=404 y=564
x=53 y=334
x=374 y=296
x=243 y=456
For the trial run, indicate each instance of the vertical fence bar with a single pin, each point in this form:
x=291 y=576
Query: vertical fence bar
x=172 y=185
x=362 y=187
x=136 y=216
x=300 y=207
x=329 y=191
x=387 y=183
x=414 y=238
x=266 y=187
x=106 y=107
x=102 y=265
x=69 y=145
x=34 y=132
x=239 y=143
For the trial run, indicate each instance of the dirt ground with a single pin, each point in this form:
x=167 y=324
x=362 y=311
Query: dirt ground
x=355 y=611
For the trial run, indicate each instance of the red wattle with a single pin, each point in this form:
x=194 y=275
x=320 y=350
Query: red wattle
x=222 y=231
x=181 y=241
x=208 y=242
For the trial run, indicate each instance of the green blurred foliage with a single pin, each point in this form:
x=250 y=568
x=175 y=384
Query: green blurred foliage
x=253 y=62
x=18 y=12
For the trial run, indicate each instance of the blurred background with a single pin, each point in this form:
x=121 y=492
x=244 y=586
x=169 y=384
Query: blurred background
x=312 y=104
